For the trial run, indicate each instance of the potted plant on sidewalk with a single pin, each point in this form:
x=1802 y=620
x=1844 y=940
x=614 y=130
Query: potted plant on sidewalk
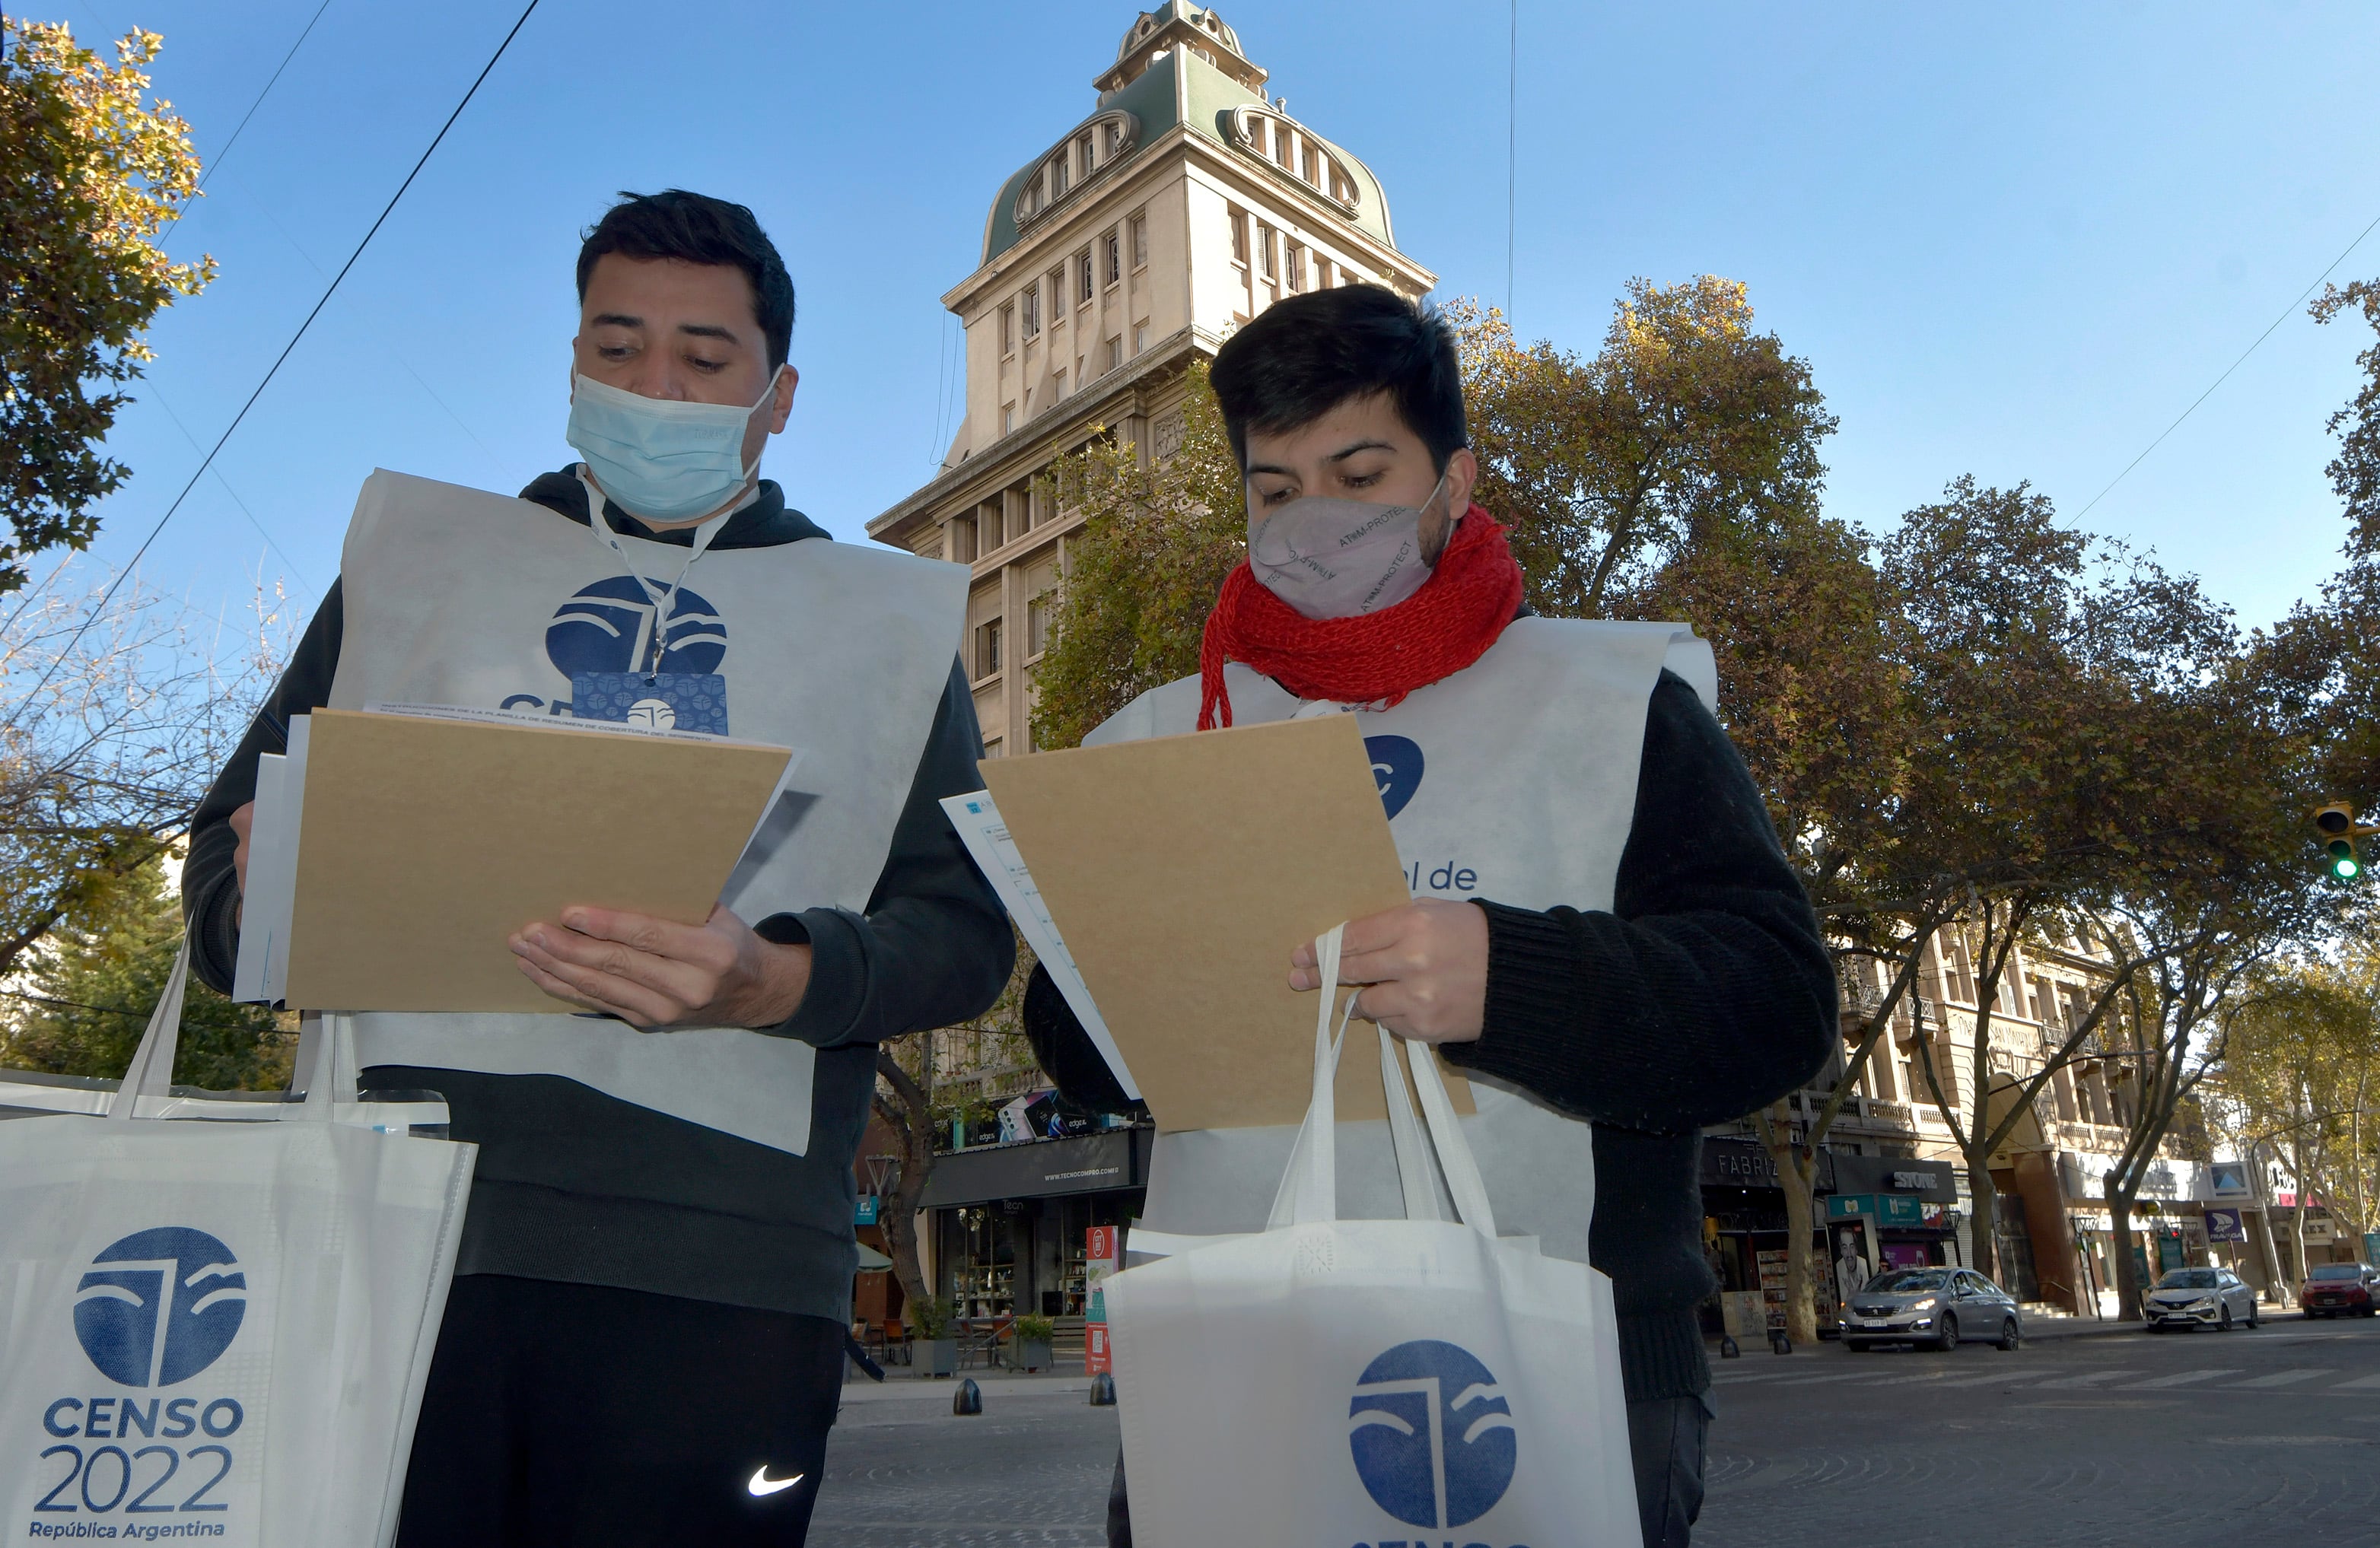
x=1032 y=1336
x=937 y=1352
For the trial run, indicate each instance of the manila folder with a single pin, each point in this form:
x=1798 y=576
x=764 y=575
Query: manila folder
x=424 y=843
x=1182 y=871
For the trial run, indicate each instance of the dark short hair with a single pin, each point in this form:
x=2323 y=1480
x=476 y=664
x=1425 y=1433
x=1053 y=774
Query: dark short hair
x=1306 y=354
x=696 y=228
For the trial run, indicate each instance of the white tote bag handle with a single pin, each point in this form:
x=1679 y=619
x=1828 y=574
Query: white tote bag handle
x=330 y=1076
x=1309 y=1192
x=151 y=1074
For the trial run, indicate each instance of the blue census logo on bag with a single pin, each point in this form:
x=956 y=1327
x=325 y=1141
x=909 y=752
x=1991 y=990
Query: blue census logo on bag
x=160 y=1306
x=1432 y=1434
x=609 y=627
x=1396 y=769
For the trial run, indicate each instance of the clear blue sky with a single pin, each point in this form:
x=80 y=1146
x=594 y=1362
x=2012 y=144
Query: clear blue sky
x=2012 y=241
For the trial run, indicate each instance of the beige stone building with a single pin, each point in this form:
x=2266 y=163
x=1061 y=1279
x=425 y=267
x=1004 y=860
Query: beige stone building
x=1185 y=203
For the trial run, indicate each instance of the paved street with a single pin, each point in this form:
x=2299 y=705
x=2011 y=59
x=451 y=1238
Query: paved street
x=2271 y=1436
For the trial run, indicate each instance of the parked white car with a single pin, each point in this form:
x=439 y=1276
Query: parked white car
x=2213 y=1298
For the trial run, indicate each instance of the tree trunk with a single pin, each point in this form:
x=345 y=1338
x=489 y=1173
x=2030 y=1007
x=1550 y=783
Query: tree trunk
x=911 y=1119
x=1800 y=1258
x=1983 y=1243
x=2127 y=1278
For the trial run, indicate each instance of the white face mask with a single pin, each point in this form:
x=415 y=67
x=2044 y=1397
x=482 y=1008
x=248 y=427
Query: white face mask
x=1334 y=558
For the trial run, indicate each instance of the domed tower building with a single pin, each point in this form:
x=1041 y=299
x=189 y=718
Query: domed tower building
x=1184 y=203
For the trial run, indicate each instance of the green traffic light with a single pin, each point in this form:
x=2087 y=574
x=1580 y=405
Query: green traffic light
x=2344 y=869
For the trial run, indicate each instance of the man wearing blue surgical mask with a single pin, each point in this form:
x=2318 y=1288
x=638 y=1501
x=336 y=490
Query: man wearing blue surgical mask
x=645 y=1338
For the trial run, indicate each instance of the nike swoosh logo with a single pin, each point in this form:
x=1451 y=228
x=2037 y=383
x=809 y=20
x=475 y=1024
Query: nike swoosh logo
x=762 y=1484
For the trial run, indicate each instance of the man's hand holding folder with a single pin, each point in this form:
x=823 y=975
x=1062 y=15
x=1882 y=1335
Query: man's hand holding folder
x=655 y=972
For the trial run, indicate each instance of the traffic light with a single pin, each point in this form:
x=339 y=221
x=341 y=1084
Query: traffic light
x=2340 y=830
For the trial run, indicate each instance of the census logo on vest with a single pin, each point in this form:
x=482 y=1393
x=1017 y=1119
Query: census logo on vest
x=608 y=627
x=1396 y=769
x=160 y=1306
x=1432 y=1434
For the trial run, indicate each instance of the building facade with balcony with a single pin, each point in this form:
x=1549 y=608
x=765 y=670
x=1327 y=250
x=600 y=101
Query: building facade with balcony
x=2053 y=1236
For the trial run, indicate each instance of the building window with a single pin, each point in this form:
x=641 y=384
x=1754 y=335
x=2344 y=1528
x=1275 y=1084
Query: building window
x=1058 y=298
x=1115 y=353
x=1007 y=417
x=1037 y=625
x=1296 y=267
x=987 y=648
x=1008 y=329
x=1140 y=337
x=1032 y=305
x=1058 y=385
x=1115 y=258
x=1240 y=237
x=1083 y=289
x=1267 y=255
x=992 y=525
x=1305 y=162
x=1083 y=146
x=1114 y=139
x=962 y=538
x=1322 y=273
x=1140 y=241
x=1280 y=144
x=1058 y=176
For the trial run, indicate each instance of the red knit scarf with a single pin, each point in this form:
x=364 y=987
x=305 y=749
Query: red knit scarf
x=1374 y=658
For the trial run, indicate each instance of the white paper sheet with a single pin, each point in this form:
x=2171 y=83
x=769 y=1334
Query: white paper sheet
x=269 y=901
x=986 y=835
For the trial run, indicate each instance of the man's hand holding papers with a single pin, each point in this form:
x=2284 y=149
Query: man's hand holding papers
x=653 y=972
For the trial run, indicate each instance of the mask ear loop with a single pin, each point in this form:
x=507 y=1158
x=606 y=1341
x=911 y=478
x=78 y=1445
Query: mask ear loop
x=663 y=601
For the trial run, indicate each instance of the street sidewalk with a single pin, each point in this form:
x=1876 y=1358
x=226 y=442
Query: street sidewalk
x=901 y=1382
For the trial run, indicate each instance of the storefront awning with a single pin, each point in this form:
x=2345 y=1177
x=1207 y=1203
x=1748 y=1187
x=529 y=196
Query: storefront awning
x=1086 y=1164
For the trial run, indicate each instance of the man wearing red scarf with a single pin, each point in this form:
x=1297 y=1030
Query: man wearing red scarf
x=1604 y=935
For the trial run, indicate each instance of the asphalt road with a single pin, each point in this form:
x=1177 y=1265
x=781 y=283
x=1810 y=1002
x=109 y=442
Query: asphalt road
x=2171 y=1441
x=2167 y=1440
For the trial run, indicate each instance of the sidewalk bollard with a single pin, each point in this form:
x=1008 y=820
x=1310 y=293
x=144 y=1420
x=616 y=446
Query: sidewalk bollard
x=1729 y=1349
x=1103 y=1391
x=968 y=1398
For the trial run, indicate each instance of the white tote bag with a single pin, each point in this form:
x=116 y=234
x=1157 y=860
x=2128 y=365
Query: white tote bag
x=1329 y=1382
x=217 y=1330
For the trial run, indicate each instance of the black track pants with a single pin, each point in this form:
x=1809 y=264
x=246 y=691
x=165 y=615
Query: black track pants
x=562 y=1415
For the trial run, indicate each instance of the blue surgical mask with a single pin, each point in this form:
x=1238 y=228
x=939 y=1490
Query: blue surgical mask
x=658 y=458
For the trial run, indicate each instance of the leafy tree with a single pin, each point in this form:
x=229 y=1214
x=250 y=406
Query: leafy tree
x=94 y=174
x=1687 y=426
x=2298 y=1066
x=1144 y=570
x=91 y=988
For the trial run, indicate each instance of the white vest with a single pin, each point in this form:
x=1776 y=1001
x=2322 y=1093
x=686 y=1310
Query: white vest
x=1514 y=780
x=456 y=596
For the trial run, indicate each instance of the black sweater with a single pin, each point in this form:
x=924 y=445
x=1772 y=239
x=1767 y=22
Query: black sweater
x=1704 y=993
x=573 y=1185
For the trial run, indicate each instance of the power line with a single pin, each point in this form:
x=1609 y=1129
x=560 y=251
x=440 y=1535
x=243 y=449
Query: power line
x=261 y=96
x=2286 y=313
x=278 y=360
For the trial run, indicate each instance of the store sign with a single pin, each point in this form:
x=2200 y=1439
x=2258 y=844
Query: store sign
x=2229 y=1180
x=2320 y=1230
x=1101 y=1257
x=2090 y=1220
x=2225 y=1225
x=1935 y=1182
x=1888 y=1209
x=864 y=1208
